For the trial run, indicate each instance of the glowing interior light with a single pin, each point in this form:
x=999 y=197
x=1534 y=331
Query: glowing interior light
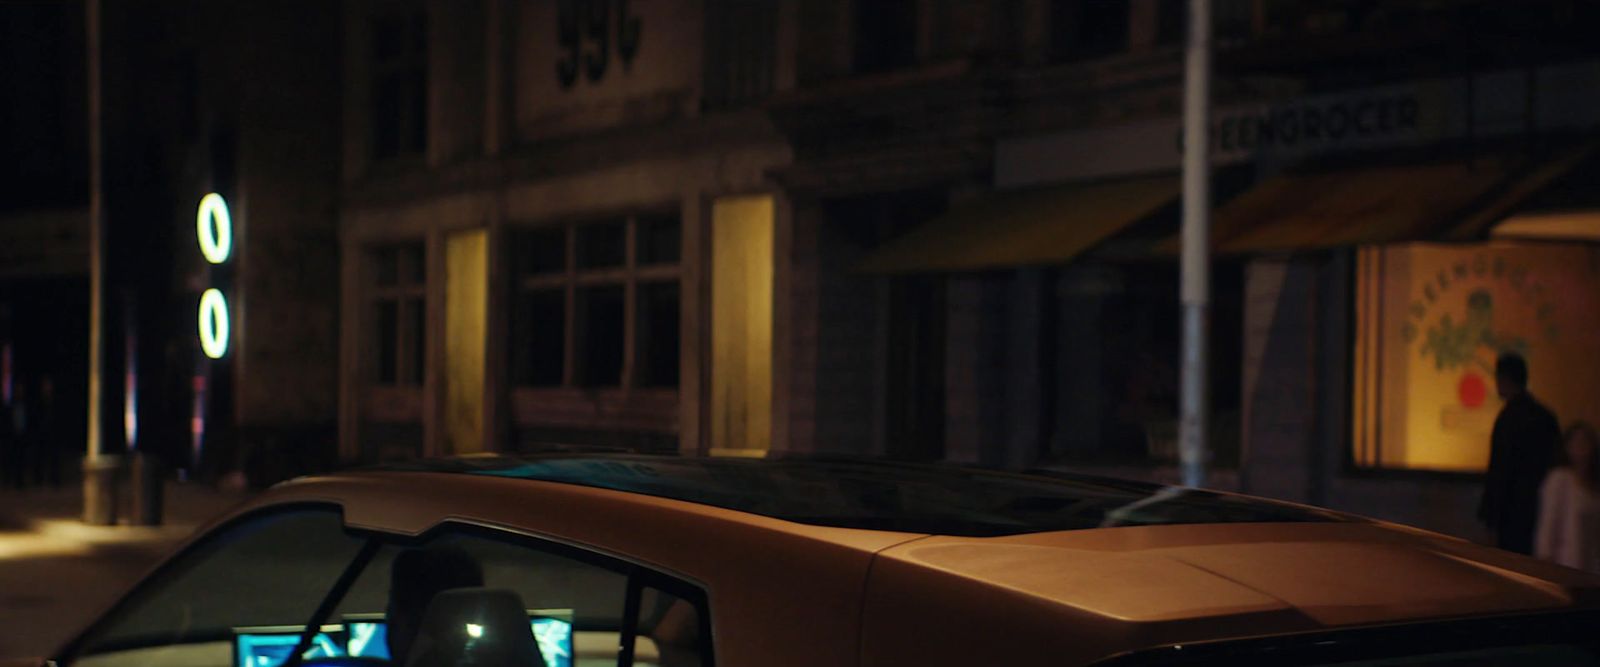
x=474 y=630
x=214 y=227
x=213 y=323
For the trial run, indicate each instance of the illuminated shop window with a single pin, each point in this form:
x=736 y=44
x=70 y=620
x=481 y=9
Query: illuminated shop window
x=1430 y=321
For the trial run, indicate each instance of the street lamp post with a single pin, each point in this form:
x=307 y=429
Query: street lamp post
x=99 y=469
x=1196 y=263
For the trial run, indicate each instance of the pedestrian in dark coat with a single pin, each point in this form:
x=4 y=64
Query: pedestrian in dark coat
x=1521 y=449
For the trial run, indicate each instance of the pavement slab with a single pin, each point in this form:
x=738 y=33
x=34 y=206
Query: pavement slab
x=57 y=573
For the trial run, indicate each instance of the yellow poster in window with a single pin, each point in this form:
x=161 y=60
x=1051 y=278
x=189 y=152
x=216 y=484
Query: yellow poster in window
x=1432 y=319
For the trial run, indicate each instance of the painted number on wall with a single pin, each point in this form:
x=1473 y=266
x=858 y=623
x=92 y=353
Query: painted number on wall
x=586 y=31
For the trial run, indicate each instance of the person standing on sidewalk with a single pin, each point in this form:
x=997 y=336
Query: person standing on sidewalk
x=1569 y=503
x=1523 y=443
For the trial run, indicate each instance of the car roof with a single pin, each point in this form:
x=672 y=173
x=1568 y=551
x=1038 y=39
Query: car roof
x=1089 y=591
x=872 y=494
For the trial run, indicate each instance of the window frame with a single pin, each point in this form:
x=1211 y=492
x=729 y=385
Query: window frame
x=1350 y=463
x=639 y=575
x=73 y=649
x=577 y=402
x=409 y=62
x=408 y=296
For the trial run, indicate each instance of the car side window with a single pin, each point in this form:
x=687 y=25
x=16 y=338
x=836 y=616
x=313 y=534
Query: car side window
x=574 y=605
x=266 y=570
x=460 y=594
x=672 y=629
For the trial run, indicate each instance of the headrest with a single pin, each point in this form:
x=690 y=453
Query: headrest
x=482 y=627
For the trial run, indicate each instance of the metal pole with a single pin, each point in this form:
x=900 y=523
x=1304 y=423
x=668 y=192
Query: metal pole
x=99 y=496
x=1196 y=263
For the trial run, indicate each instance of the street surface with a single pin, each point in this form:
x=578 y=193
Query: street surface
x=56 y=573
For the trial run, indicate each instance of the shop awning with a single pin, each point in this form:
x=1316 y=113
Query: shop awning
x=1023 y=228
x=1380 y=204
x=1551 y=226
x=1457 y=200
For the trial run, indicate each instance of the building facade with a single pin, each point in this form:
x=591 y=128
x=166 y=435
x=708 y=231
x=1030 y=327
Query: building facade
x=925 y=229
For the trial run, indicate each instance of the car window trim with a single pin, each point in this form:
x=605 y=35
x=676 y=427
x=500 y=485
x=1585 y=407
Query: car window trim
x=331 y=600
x=70 y=651
x=637 y=573
x=1388 y=641
x=686 y=588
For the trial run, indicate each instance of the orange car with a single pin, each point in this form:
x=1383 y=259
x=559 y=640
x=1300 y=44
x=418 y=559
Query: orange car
x=578 y=560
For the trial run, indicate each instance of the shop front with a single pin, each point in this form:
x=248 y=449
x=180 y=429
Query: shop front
x=1384 y=246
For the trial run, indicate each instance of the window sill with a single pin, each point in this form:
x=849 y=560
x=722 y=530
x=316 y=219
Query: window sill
x=393 y=404
x=607 y=409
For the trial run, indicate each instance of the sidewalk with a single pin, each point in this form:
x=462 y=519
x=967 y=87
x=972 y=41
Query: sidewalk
x=56 y=573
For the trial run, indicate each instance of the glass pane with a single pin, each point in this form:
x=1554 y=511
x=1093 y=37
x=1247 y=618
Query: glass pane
x=657 y=334
x=601 y=335
x=568 y=610
x=416 y=122
x=386 y=266
x=388 y=94
x=660 y=240
x=389 y=35
x=541 y=251
x=384 y=331
x=672 y=631
x=538 y=344
x=419 y=34
x=414 y=263
x=415 y=336
x=602 y=245
x=266 y=572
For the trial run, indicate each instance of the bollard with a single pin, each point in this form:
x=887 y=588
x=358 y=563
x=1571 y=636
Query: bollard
x=148 y=490
x=100 y=490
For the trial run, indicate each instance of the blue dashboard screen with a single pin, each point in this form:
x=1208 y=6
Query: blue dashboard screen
x=369 y=639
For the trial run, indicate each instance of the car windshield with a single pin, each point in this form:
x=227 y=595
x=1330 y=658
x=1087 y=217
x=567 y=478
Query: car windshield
x=933 y=499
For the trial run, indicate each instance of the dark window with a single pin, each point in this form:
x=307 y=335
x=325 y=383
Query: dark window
x=416 y=323
x=542 y=251
x=1234 y=21
x=876 y=495
x=43 y=136
x=1172 y=24
x=658 y=334
x=885 y=35
x=1117 y=366
x=539 y=338
x=605 y=281
x=398 y=293
x=601 y=335
x=660 y=240
x=399 y=85
x=386 y=268
x=1081 y=29
x=388 y=350
x=602 y=245
x=741 y=51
